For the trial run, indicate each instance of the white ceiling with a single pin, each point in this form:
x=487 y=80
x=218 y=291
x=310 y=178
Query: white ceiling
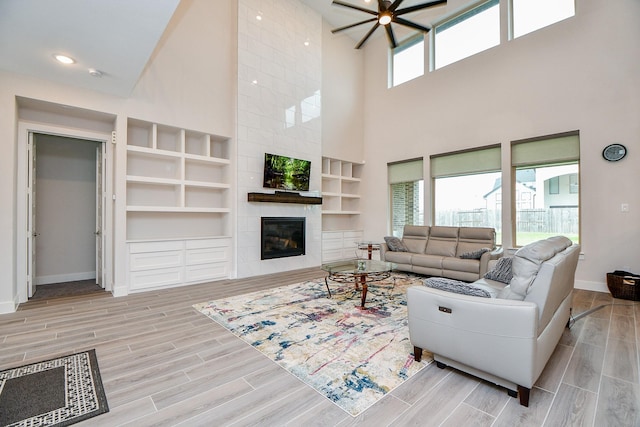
x=117 y=37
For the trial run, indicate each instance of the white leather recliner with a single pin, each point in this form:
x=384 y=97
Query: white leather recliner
x=506 y=339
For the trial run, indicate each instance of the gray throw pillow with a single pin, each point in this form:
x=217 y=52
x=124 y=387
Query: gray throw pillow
x=502 y=271
x=477 y=254
x=456 y=286
x=396 y=245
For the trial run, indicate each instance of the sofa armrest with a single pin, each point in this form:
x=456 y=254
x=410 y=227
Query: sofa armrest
x=496 y=336
x=488 y=256
x=383 y=249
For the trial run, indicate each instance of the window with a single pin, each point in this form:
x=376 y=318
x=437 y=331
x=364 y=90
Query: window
x=471 y=32
x=548 y=170
x=467 y=188
x=408 y=61
x=531 y=15
x=407 y=194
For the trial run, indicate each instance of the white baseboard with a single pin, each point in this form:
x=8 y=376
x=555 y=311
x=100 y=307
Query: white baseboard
x=120 y=291
x=591 y=286
x=8 y=306
x=59 y=278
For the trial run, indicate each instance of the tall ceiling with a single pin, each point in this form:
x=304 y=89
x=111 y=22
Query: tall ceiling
x=118 y=37
x=115 y=37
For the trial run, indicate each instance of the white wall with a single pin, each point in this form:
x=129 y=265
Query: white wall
x=579 y=74
x=277 y=73
x=342 y=97
x=65 y=209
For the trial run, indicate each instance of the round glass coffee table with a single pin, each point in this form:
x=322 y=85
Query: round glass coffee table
x=360 y=272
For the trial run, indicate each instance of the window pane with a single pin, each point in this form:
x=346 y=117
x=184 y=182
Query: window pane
x=468 y=34
x=469 y=200
x=407 y=205
x=544 y=209
x=531 y=15
x=408 y=62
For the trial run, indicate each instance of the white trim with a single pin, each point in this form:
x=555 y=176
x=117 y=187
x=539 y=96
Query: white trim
x=8 y=306
x=591 y=286
x=24 y=128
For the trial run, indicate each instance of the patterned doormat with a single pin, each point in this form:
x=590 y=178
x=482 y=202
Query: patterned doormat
x=57 y=392
x=351 y=356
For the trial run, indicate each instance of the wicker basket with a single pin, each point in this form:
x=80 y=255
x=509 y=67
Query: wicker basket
x=624 y=286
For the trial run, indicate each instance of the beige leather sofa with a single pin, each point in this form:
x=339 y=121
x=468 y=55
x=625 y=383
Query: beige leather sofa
x=436 y=250
x=506 y=339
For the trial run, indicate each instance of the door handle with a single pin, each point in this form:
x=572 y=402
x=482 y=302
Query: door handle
x=34 y=234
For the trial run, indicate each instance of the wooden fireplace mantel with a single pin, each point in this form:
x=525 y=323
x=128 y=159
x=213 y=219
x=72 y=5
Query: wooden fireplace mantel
x=284 y=197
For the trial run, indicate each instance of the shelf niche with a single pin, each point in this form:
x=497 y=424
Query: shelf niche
x=284 y=197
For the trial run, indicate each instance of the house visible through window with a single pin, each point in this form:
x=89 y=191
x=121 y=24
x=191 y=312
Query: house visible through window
x=471 y=32
x=408 y=60
x=531 y=15
x=547 y=169
x=406 y=187
x=467 y=188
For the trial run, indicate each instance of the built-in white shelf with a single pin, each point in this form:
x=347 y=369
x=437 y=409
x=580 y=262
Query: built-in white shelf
x=178 y=191
x=340 y=207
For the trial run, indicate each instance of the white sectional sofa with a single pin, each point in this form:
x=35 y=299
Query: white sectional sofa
x=437 y=251
x=508 y=336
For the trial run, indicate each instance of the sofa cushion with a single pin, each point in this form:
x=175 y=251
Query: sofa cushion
x=395 y=244
x=459 y=264
x=475 y=254
x=430 y=261
x=456 y=286
x=415 y=238
x=471 y=239
x=527 y=260
x=501 y=272
x=443 y=241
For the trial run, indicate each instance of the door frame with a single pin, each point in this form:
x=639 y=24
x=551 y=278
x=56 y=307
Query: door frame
x=25 y=128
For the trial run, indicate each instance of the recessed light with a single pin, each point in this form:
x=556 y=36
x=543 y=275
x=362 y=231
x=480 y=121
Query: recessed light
x=64 y=59
x=95 y=73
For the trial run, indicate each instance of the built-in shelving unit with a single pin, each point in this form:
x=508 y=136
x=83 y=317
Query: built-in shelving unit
x=340 y=208
x=178 y=191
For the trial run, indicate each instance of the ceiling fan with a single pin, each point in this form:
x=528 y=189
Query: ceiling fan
x=387 y=13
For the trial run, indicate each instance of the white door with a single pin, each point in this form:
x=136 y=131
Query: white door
x=31 y=215
x=100 y=203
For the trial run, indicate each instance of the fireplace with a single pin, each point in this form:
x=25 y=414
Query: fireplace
x=282 y=237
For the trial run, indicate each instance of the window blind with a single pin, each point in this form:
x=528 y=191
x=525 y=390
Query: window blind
x=405 y=171
x=555 y=149
x=466 y=162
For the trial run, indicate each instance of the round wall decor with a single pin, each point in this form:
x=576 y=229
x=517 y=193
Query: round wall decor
x=614 y=152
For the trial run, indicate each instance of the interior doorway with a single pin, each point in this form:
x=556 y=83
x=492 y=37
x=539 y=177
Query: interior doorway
x=63 y=231
x=66 y=210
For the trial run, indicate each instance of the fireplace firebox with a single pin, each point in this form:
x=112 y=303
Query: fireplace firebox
x=282 y=237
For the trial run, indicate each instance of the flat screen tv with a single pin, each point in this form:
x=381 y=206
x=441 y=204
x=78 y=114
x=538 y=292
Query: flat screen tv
x=286 y=173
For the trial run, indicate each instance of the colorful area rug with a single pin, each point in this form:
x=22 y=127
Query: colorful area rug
x=352 y=356
x=57 y=392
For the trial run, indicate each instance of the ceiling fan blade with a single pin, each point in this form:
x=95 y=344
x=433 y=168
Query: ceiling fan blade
x=351 y=6
x=364 y=39
x=419 y=7
x=346 y=27
x=406 y=23
x=395 y=5
x=392 y=39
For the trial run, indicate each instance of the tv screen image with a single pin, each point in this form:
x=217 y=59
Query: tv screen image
x=286 y=173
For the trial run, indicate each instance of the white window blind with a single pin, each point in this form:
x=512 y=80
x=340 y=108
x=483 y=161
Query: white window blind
x=555 y=149
x=405 y=171
x=466 y=162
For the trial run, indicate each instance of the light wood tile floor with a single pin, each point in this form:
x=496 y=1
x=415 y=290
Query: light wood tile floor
x=164 y=364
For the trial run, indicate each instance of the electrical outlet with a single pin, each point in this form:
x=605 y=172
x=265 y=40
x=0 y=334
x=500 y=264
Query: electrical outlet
x=624 y=207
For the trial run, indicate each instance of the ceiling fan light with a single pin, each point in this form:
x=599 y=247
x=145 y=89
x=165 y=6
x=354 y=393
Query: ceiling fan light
x=384 y=18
